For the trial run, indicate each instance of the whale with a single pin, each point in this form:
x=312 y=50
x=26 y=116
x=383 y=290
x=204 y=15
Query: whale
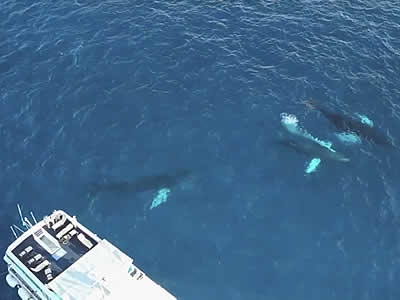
x=302 y=141
x=142 y=183
x=357 y=124
x=312 y=149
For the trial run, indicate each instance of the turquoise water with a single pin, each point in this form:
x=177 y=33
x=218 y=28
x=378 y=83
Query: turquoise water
x=102 y=104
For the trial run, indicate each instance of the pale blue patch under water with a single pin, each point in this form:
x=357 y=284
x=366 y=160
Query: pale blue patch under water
x=312 y=165
x=348 y=138
x=365 y=120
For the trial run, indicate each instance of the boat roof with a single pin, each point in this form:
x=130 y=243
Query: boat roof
x=105 y=273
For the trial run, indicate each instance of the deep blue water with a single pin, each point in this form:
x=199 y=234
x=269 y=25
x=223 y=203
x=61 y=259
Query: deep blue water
x=94 y=92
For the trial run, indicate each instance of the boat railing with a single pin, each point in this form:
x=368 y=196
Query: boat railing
x=26 y=223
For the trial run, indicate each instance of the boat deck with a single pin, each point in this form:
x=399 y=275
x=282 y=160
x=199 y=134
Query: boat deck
x=72 y=249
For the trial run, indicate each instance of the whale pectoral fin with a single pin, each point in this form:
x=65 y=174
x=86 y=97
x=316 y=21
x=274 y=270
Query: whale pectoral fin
x=312 y=165
x=365 y=120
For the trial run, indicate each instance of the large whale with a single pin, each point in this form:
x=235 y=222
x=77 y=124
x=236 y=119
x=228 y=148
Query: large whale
x=302 y=141
x=141 y=184
x=358 y=124
x=117 y=191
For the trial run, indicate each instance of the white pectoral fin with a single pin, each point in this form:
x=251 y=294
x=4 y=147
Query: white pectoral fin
x=365 y=120
x=312 y=165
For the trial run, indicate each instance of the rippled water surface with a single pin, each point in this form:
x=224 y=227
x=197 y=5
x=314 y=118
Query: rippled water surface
x=104 y=103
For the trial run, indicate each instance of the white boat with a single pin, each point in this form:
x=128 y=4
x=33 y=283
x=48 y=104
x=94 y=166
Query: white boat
x=60 y=259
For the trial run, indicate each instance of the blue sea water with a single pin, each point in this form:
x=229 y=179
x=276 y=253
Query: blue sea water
x=111 y=91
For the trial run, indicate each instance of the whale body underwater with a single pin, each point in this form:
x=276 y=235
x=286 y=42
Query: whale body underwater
x=351 y=124
x=313 y=149
x=302 y=141
x=142 y=183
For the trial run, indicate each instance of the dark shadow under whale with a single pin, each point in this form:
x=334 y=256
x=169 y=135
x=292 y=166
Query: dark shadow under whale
x=355 y=125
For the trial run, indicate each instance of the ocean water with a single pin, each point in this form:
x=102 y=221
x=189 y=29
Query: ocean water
x=103 y=103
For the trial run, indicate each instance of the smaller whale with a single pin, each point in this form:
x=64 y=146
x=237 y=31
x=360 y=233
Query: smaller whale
x=308 y=147
x=359 y=125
